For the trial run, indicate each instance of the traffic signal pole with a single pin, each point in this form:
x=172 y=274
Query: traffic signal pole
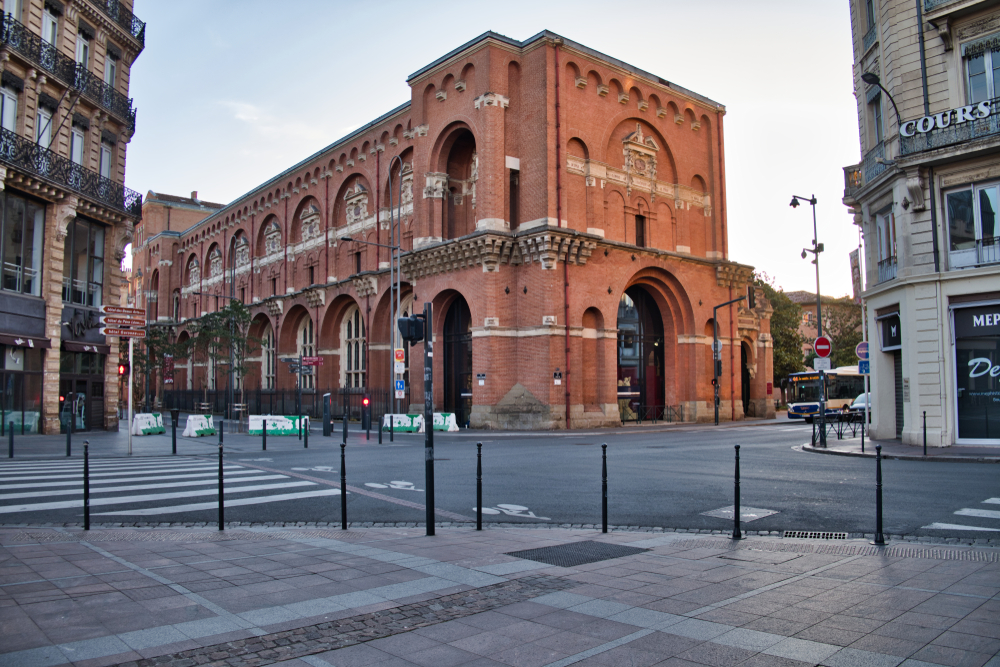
x=130 y=345
x=717 y=353
x=429 y=416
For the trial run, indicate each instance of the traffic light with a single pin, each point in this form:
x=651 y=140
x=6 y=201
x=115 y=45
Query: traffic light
x=365 y=402
x=366 y=414
x=122 y=369
x=715 y=381
x=411 y=329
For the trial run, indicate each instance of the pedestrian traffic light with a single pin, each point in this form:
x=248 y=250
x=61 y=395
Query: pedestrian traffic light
x=715 y=381
x=122 y=369
x=411 y=329
x=365 y=402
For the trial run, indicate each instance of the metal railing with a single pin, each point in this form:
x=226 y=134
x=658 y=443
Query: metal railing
x=869 y=38
x=852 y=180
x=283 y=401
x=953 y=134
x=886 y=269
x=930 y=5
x=34 y=48
x=28 y=156
x=124 y=17
x=870 y=165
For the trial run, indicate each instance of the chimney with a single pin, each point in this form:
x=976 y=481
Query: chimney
x=194 y=195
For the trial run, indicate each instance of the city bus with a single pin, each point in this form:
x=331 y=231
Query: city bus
x=843 y=385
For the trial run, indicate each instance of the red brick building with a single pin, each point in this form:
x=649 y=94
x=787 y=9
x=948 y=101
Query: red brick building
x=563 y=211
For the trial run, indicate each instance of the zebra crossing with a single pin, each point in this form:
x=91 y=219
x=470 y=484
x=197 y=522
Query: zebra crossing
x=991 y=516
x=144 y=487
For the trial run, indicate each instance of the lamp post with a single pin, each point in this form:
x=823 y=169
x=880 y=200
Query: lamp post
x=816 y=250
x=872 y=80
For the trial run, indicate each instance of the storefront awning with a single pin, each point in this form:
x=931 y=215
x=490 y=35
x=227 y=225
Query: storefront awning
x=74 y=346
x=24 y=341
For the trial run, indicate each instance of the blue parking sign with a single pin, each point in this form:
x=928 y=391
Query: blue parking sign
x=864 y=367
x=400 y=385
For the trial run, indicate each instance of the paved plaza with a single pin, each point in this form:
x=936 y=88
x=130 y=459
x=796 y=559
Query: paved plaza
x=528 y=597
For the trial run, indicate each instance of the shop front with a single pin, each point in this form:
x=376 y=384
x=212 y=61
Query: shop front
x=977 y=372
x=20 y=389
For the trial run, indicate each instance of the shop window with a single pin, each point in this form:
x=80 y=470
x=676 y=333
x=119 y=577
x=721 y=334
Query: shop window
x=353 y=350
x=977 y=373
x=972 y=226
x=83 y=264
x=20 y=389
x=23 y=223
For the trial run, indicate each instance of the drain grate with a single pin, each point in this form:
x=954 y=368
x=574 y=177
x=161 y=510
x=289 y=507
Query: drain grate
x=814 y=535
x=577 y=553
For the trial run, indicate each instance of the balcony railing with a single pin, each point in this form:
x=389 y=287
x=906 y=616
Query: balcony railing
x=930 y=5
x=25 y=155
x=871 y=165
x=953 y=134
x=35 y=49
x=121 y=15
x=985 y=251
x=870 y=38
x=852 y=180
x=886 y=269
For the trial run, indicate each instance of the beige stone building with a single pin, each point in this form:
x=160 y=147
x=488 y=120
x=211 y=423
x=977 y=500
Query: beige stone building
x=926 y=195
x=66 y=216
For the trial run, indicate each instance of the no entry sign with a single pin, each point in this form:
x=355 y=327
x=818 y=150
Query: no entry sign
x=822 y=346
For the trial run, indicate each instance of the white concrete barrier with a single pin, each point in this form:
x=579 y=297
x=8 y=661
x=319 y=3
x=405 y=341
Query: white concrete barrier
x=198 y=425
x=277 y=424
x=147 y=423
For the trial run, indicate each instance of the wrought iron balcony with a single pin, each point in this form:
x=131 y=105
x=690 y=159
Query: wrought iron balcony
x=871 y=165
x=985 y=251
x=953 y=134
x=930 y=5
x=27 y=156
x=869 y=38
x=886 y=269
x=852 y=180
x=124 y=17
x=46 y=56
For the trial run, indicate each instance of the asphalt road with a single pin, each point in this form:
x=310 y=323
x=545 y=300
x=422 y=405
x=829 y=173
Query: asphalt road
x=667 y=478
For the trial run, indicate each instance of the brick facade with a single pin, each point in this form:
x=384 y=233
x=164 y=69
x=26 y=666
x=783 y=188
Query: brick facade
x=525 y=244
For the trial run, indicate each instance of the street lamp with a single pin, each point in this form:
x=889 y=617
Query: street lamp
x=872 y=80
x=816 y=250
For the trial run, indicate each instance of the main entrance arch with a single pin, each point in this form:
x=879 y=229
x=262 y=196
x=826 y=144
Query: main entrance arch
x=458 y=360
x=640 y=353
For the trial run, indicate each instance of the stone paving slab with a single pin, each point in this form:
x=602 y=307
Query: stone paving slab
x=393 y=596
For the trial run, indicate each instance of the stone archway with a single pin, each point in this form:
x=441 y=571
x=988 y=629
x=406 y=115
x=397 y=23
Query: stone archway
x=641 y=352
x=458 y=360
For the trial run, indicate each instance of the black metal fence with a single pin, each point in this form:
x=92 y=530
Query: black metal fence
x=285 y=401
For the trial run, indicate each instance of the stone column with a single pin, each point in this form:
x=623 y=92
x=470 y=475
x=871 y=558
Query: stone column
x=114 y=253
x=58 y=217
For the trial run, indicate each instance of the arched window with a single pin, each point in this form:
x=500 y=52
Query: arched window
x=307 y=348
x=268 y=361
x=353 y=351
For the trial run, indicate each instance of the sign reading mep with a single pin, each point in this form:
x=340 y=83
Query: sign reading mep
x=977 y=373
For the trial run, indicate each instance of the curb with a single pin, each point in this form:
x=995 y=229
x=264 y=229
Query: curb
x=903 y=457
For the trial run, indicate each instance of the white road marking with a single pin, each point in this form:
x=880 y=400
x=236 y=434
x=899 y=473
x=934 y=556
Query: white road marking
x=136 y=487
x=229 y=503
x=953 y=526
x=149 y=476
x=987 y=514
x=121 y=500
x=994 y=501
x=79 y=475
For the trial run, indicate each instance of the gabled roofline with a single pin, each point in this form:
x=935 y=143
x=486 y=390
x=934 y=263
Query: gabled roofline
x=548 y=34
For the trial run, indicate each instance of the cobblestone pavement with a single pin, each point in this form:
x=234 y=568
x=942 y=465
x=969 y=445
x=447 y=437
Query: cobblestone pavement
x=317 y=597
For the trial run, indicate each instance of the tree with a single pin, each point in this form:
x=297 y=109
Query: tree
x=223 y=337
x=843 y=325
x=159 y=342
x=785 y=339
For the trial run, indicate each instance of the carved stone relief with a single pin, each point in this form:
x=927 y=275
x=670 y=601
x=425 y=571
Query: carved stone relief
x=356 y=203
x=640 y=162
x=272 y=238
x=215 y=263
x=436 y=185
x=309 y=220
x=242 y=252
x=194 y=272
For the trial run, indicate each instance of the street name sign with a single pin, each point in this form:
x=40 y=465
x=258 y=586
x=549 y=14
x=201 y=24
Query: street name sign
x=123 y=333
x=121 y=321
x=122 y=310
x=312 y=361
x=822 y=346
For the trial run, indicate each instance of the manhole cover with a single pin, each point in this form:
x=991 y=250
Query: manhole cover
x=746 y=513
x=577 y=553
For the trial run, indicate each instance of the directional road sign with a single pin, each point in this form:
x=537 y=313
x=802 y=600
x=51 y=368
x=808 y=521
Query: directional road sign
x=121 y=321
x=862 y=350
x=123 y=333
x=312 y=361
x=822 y=346
x=122 y=310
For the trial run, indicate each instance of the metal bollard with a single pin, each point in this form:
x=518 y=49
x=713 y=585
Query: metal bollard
x=222 y=507
x=380 y=424
x=345 y=428
x=10 y=441
x=305 y=430
x=813 y=441
x=392 y=428
x=343 y=485
x=604 y=488
x=69 y=434
x=300 y=427
x=479 y=486
x=86 y=484
x=925 y=433
x=264 y=433
x=864 y=425
x=879 y=537
x=737 y=533
x=173 y=436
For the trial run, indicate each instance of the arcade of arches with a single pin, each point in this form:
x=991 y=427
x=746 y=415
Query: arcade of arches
x=575 y=296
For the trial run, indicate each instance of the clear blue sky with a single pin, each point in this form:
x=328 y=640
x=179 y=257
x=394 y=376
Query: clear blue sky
x=230 y=93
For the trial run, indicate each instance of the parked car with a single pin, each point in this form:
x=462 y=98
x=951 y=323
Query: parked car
x=859 y=405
